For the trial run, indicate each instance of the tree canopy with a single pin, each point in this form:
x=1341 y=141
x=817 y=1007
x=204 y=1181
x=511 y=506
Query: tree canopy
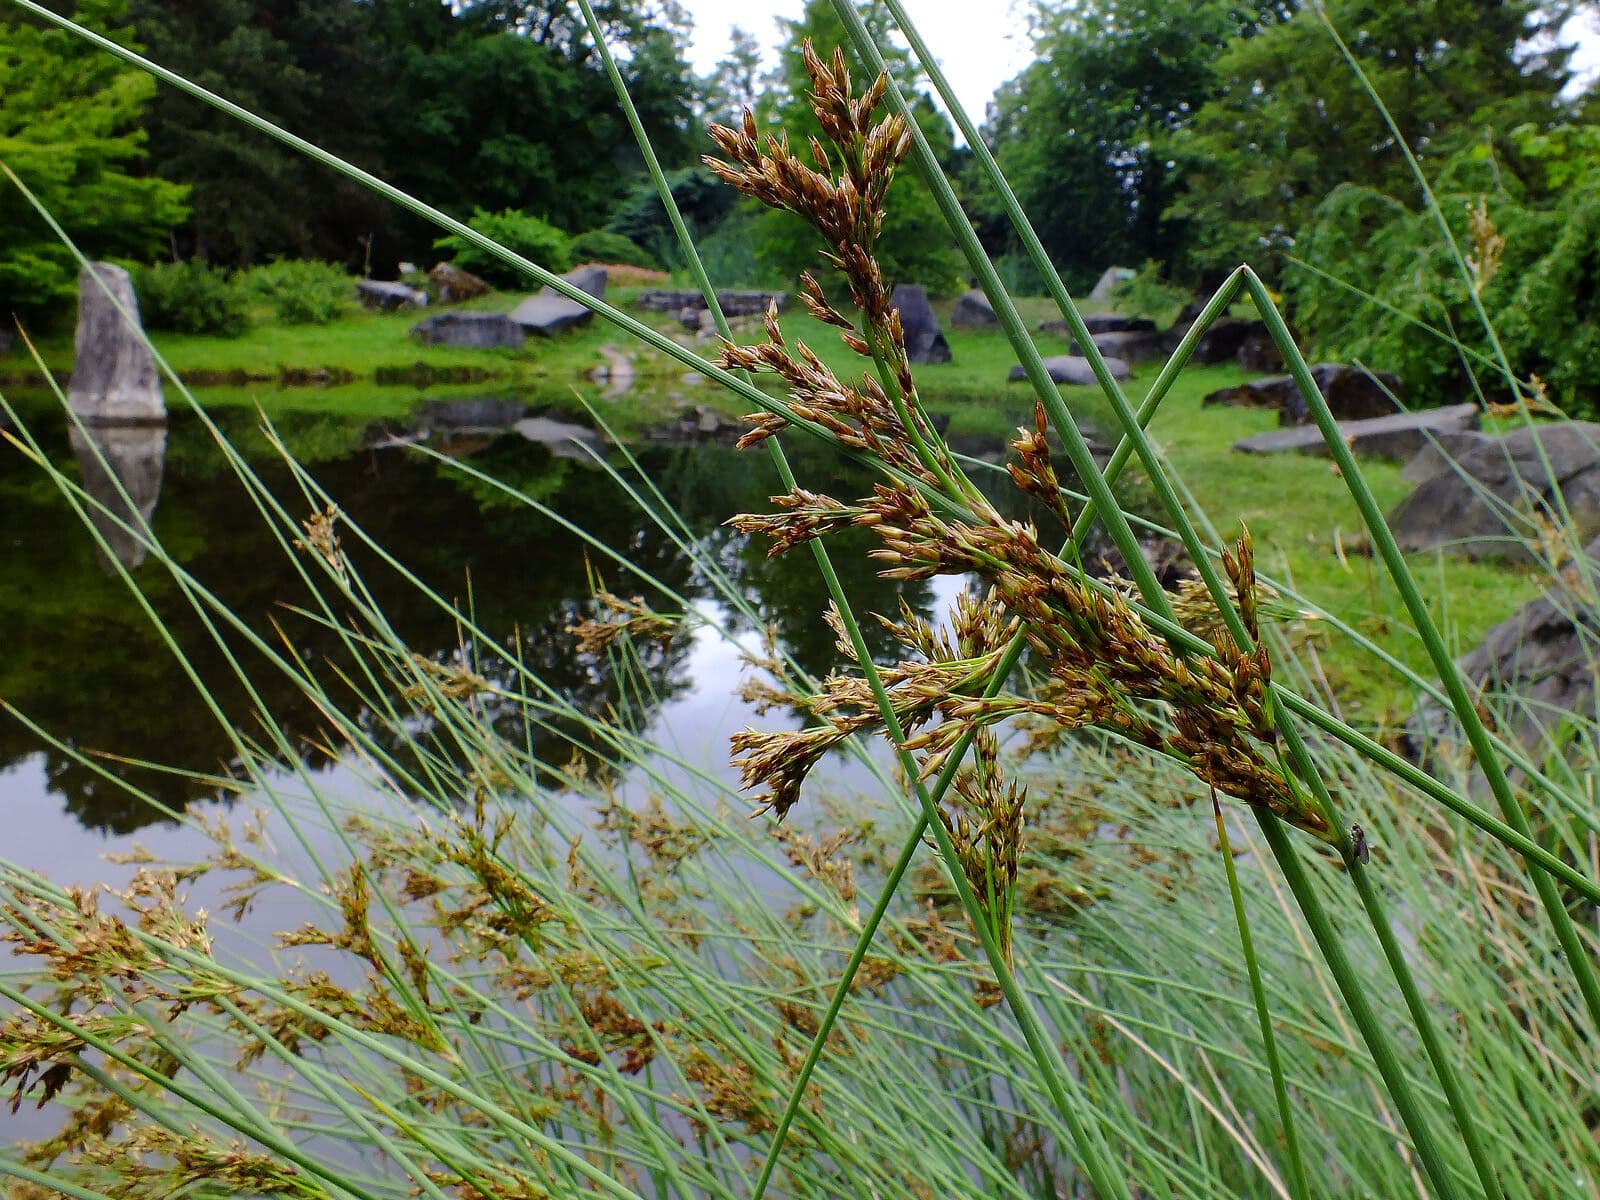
x=70 y=128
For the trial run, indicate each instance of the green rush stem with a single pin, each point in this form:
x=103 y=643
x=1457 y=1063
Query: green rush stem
x=1460 y=700
x=1298 y=1183
x=1327 y=939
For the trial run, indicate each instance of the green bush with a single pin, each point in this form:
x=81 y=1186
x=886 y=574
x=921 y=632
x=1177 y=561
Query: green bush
x=533 y=238
x=1147 y=294
x=1375 y=280
x=192 y=297
x=300 y=292
x=603 y=246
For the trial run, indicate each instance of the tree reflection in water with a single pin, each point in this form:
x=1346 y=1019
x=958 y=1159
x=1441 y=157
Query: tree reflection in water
x=94 y=671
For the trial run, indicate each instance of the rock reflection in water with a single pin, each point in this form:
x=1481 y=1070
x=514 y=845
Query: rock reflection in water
x=121 y=468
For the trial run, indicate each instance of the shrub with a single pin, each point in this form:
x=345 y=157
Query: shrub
x=1375 y=279
x=1147 y=294
x=532 y=237
x=601 y=245
x=300 y=292
x=192 y=297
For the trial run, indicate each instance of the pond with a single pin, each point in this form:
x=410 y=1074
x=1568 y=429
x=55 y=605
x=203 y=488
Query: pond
x=90 y=668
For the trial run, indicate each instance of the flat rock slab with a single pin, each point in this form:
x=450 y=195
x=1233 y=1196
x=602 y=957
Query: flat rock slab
x=734 y=302
x=468 y=330
x=1098 y=323
x=547 y=313
x=1397 y=437
x=1352 y=394
x=565 y=439
x=1130 y=345
x=1068 y=368
x=1494 y=497
x=386 y=296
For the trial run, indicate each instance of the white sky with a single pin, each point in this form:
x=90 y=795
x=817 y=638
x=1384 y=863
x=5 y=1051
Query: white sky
x=977 y=52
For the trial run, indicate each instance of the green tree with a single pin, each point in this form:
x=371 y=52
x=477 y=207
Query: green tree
x=1082 y=132
x=69 y=128
x=914 y=245
x=294 y=62
x=1290 y=120
x=735 y=84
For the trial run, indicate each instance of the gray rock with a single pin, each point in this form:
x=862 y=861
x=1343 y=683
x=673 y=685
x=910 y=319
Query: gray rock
x=590 y=279
x=1067 y=368
x=1494 y=495
x=1352 y=394
x=1223 y=341
x=924 y=339
x=1130 y=345
x=1258 y=352
x=1398 y=436
x=734 y=302
x=565 y=439
x=451 y=284
x=1109 y=279
x=121 y=468
x=1098 y=323
x=468 y=330
x=386 y=296
x=973 y=311
x=114 y=377
x=1536 y=669
x=7 y=340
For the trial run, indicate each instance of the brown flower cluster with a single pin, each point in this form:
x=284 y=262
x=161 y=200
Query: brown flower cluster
x=1106 y=667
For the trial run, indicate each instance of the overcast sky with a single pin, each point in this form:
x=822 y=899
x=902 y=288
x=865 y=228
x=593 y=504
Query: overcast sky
x=978 y=53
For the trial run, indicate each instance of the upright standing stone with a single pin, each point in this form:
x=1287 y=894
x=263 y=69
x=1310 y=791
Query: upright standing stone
x=924 y=339
x=114 y=378
x=121 y=467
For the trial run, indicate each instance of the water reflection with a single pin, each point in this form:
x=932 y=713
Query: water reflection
x=120 y=467
x=94 y=671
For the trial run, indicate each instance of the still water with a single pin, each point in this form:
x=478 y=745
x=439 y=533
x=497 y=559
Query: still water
x=89 y=667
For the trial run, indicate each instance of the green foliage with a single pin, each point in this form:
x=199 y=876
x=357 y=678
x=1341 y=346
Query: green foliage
x=1148 y=294
x=530 y=236
x=192 y=297
x=69 y=128
x=1081 y=133
x=602 y=245
x=300 y=292
x=1374 y=278
x=701 y=199
x=1290 y=121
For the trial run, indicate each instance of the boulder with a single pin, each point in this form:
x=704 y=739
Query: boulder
x=1352 y=394
x=547 y=313
x=1536 y=669
x=1258 y=352
x=924 y=339
x=468 y=330
x=386 y=296
x=1108 y=282
x=973 y=311
x=1398 y=436
x=1491 y=497
x=590 y=278
x=1130 y=345
x=114 y=377
x=734 y=302
x=1098 y=323
x=1221 y=342
x=1067 y=368
x=451 y=283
